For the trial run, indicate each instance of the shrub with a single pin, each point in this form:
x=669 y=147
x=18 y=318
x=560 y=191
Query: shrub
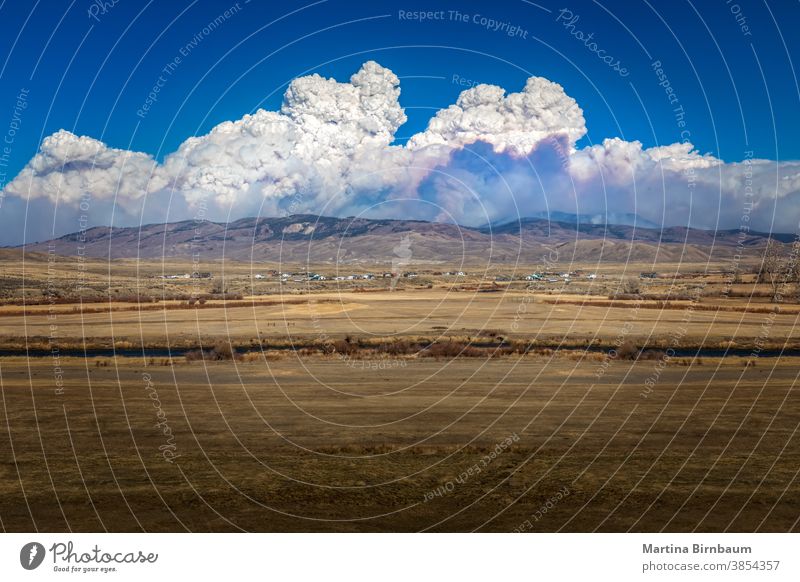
x=222 y=351
x=345 y=346
x=397 y=348
x=628 y=351
x=451 y=350
x=491 y=333
x=631 y=287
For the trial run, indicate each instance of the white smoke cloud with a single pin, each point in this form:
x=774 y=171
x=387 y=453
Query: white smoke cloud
x=676 y=185
x=67 y=167
x=323 y=143
x=622 y=161
x=515 y=123
x=491 y=156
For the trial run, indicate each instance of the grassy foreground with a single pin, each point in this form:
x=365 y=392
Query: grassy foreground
x=531 y=443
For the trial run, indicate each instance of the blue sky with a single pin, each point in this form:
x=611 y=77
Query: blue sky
x=88 y=67
x=91 y=76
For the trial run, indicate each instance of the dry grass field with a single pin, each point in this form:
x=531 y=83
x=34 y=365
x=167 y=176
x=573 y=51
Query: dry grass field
x=444 y=405
x=532 y=316
x=317 y=445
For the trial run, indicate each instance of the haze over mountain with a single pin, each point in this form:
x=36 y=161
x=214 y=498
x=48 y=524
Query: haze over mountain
x=315 y=239
x=623 y=218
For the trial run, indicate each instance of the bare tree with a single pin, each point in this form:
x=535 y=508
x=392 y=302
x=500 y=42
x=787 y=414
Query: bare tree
x=770 y=262
x=778 y=272
x=631 y=287
x=793 y=270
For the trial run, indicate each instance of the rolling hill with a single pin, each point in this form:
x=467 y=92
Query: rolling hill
x=318 y=239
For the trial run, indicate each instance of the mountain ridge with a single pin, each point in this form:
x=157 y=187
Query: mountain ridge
x=326 y=239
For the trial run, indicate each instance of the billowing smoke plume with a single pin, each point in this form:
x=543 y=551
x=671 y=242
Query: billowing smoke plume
x=490 y=157
x=68 y=168
x=320 y=149
x=515 y=123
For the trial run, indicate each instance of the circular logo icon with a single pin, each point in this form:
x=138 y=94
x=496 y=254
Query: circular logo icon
x=31 y=555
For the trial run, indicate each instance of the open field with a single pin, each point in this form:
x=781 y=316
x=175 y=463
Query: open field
x=437 y=314
x=480 y=402
x=47 y=278
x=315 y=444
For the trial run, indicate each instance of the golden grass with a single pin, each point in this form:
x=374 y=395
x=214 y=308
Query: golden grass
x=710 y=451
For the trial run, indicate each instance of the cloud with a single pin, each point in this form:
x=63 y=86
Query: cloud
x=676 y=185
x=516 y=123
x=622 y=161
x=330 y=150
x=68 y=167
x=322 y=145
